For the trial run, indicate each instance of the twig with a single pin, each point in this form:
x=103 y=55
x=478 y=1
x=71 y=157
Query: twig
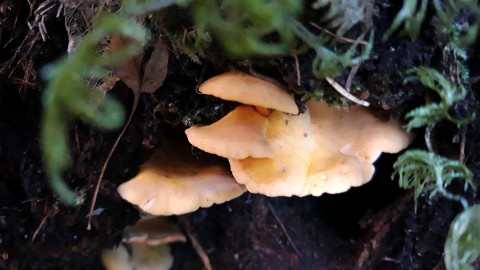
x=351 y=75
x=461 y=158
x=48 y=213
x=344 y=39
x=297 y=69
x=345 y=93
x=196 y=245
x=105 y=165
x=42 y=222
x=282 y=226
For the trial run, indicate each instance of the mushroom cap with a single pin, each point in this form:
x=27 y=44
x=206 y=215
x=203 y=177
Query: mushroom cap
x=173 y=182
x=240 y=134
x=250 y=90
x=325 y=150
x=348 y=142
x=153 y=231
x=290 y=138
x=142 y=257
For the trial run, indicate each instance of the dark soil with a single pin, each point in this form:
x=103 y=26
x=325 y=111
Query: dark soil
x=371 y=227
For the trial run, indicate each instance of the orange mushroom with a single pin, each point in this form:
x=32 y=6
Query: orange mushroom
x=147 y=242
x=173 y=182
x=240 y=134
x=348 y=142
x=291 y=140
x=338 y=152
x=153 y=231
x=324 y=150
x=247 y=89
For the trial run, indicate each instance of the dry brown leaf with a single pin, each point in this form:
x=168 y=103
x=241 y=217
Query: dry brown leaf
x=129 y=69
x=156 y=69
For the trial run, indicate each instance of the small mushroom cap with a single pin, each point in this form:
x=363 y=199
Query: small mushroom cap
x=173 y=182
x=240 y=134
x=290 y=138
x=142 y=257
x=348 y=142
x=250 y=90
x=153 y=231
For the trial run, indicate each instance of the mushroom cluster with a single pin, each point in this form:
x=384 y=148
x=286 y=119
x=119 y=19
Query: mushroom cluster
x=275 y=151
x=271 y=149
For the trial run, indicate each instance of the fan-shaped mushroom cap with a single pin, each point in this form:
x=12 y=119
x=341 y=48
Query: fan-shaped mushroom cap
x=153 y=231
x=240 y=134
x=142 y=257
x=147 y=240
x=347 y=143
x=250 y=90
x=290 y=138
x=325 y=150
x=173 y=182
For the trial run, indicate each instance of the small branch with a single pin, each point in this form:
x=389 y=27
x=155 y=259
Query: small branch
x=42 y=222
x=105 y=165
x=282 y=226
x=351 y=75
x=48 y=213
x=297 y=69
x=461 y=158
x=344 y=39
x=345 y=93
x=196 y=245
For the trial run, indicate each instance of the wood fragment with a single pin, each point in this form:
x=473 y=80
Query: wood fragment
x=345 y=93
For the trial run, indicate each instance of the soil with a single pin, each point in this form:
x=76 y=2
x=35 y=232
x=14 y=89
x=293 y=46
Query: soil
x=371 y=227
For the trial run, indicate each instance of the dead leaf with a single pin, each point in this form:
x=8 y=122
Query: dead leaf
x=127 y=70
x=108 y=84
x=156 y=69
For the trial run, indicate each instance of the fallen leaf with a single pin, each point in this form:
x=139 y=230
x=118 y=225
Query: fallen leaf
x=156 y=69
x=127 y=70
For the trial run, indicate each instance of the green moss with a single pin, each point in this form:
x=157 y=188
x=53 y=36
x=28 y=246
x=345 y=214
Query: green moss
x=241 y=26
x=427 y=172
x=412 y=15
x=270 y=28
x=462 y=248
